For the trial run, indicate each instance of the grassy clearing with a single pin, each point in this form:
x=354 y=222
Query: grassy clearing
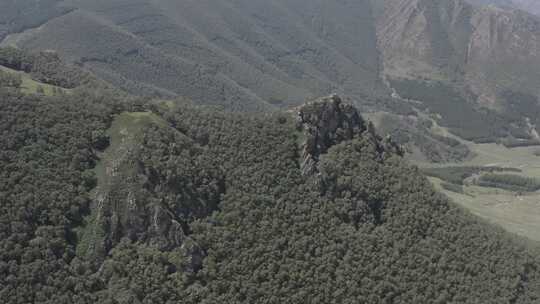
x=124 y=133
x=516 y=213
x=30 y=86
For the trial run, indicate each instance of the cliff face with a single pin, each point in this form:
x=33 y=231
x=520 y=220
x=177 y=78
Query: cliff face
x=530 y=6
x=140 y=200
x=326 y=122
x=423 y=36
x=485 y=49
x=329 y=121
x=504 y=51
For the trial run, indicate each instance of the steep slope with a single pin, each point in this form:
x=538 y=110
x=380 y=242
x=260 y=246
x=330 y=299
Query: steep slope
x=530 y=6
x=263 y=55
x=182 y=204
x=486 y=55
x=138 y=199
x=251 y=55
x=489 y=49
x=20 y=15
x=372 y=229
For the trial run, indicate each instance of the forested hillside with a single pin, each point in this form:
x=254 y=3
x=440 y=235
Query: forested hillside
x=143 y=171
x=246 y=55
x=20 y=15
x=108 y=199
x=440 y=59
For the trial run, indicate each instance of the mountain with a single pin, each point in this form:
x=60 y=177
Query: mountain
x=488 y=49
x=107 y=198
x=395 y=56
x=17 y=16
x=484 y=59
x=247 y=55
x=530 y=6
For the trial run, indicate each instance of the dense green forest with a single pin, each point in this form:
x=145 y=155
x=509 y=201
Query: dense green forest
x=509 y=182
x=458 y=175
x=416 y=133
x=45 y=67
x=48 y=146
x=456 y=111
x=225 y=180
x=206 y=206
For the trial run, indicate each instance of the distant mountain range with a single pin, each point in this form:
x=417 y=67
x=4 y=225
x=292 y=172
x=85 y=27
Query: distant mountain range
x=531 y=6
x=257 y=53
x=244 y=54
x=476 y=68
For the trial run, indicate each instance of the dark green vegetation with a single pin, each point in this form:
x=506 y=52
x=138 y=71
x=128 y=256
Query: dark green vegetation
x=245 y=55
x=10 y=80
x=466 y=119
x=45 y=67
x=509 y=182
x=515 y=143
x=19 y=15
x=48 y=145
x=415 y=133
x=108 y=198
x=105 y=201
x=457 y=175
x=257 y=55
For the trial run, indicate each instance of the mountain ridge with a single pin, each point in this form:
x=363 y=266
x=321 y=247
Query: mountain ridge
x=296 y=69
x=111 y=198
x=530 y=6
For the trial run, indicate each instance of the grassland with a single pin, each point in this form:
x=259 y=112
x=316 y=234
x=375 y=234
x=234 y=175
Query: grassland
x=30 y=86
x=113 y=169
x=517 y=213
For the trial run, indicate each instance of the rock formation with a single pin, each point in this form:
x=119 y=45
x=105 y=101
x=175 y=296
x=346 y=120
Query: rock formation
x=326 y=122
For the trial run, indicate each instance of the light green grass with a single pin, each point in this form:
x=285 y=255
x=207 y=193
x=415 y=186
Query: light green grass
x=519 y=214
x=125 y=130
x=125 y=133
x=30 y=86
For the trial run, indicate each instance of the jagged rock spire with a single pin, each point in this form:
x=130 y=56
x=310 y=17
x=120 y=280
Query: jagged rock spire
x=326 y=122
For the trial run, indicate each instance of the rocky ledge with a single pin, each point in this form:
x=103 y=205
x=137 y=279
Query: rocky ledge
x=326 y=122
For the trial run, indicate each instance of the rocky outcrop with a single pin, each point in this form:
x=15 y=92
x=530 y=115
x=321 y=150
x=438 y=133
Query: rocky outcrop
x=326 y=122
x=150 y=199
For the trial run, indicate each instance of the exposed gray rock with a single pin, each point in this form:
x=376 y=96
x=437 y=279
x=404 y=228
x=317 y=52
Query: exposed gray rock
x=326 y=122
x=140 y=200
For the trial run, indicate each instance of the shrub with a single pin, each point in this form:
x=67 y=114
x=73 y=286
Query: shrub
x=456 y=175
x=509 y=182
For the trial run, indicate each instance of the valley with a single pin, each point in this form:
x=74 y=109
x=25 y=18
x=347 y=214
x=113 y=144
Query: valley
x=516 y=212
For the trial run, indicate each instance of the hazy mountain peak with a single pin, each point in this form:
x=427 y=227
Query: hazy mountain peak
x=530 y=6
